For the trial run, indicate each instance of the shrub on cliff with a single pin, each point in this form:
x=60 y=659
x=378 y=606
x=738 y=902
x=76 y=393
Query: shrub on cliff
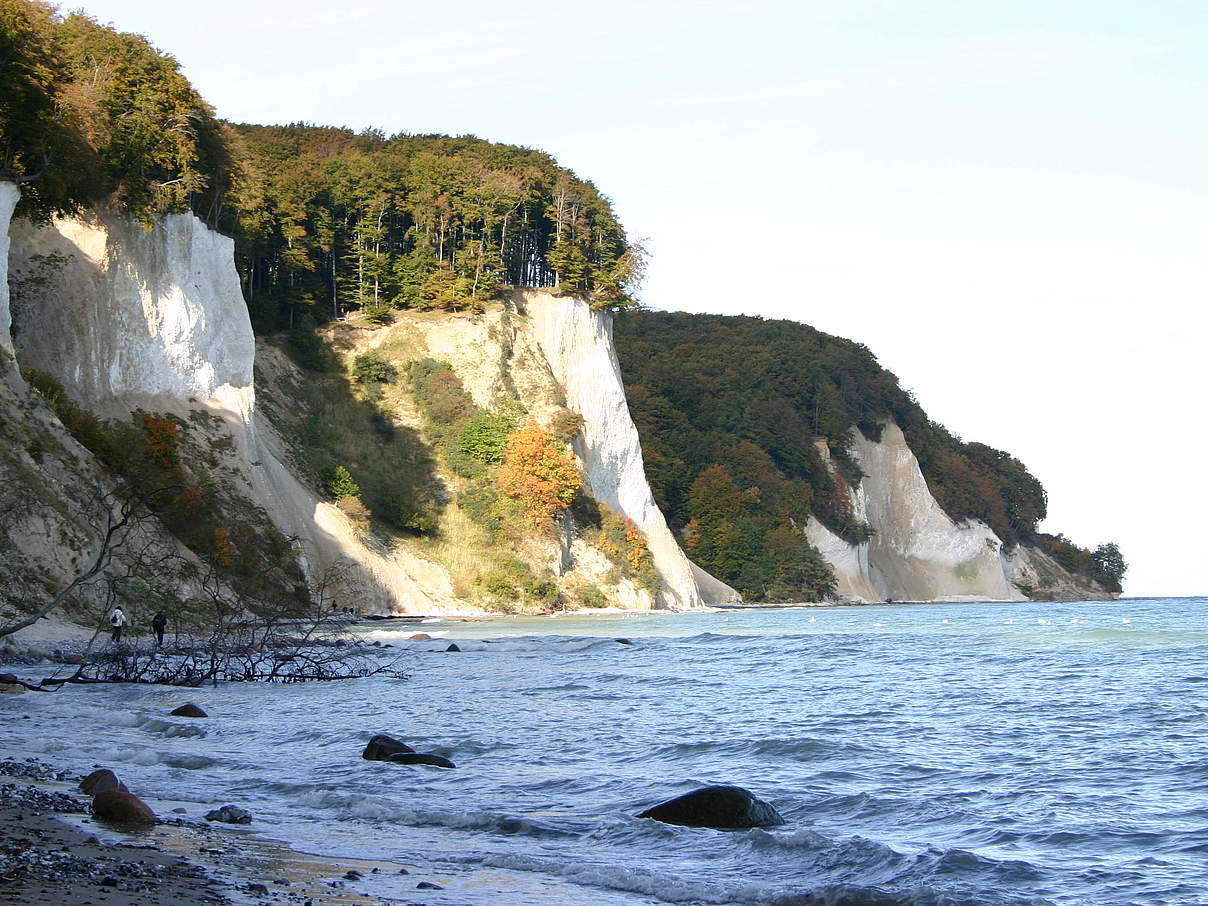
x=338 y=482
x=373 y=368
x=485 y=437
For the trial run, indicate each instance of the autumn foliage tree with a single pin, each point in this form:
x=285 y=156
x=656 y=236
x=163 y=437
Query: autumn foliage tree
x=538 y=474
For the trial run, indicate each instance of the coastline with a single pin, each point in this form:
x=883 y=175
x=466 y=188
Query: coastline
x=53 y=851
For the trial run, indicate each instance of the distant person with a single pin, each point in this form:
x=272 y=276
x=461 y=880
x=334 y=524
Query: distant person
x=159 y=623
x=117 y=619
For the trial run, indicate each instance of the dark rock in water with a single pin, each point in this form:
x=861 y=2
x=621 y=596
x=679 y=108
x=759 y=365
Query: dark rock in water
x=383 y=748
x=353 y=875
x=102 y=781
x=189 y=710
x=120 y=807
x=428 y=885
x=422 y=758
x=8 y=678
x=452 y=647
x=722 y=807
x=230 y=814
x=623 y=641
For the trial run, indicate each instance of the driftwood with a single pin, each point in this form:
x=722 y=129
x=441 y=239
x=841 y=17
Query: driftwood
x=247 y=651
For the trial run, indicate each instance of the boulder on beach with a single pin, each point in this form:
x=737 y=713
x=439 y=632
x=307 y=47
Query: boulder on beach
x=102 y=781
x=383 y=748
x=122 y=807
x=721 y=807
x=422 y=758
x=189 y=710
x=230 y=814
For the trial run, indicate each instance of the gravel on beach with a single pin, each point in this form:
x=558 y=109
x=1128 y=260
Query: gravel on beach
x=49 y=854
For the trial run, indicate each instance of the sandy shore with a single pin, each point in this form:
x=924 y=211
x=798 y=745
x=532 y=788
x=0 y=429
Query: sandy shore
x=53 y=852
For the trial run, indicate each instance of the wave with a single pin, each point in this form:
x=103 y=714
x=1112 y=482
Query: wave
x=673 y=888
x=378 y=810
x=171 y=729
x=761 y=746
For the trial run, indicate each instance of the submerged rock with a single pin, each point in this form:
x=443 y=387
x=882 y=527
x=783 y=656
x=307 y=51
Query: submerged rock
x=383 y=748
x=230 y=814
x=721 y=807
x=189 y=710
x=124 y=808
x=422 y=758
x=102 y=781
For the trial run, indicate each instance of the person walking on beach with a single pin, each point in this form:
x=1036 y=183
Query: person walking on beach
x=117 y=620
x=159 y=623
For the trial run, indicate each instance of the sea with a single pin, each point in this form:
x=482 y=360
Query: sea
x=1025 y=753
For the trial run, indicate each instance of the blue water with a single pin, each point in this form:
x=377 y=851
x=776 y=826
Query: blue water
x=945 y=754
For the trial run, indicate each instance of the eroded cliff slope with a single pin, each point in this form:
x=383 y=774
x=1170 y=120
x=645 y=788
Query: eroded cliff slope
x=918 y=553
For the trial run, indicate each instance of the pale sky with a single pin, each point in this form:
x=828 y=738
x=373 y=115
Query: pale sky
x=1007 y=202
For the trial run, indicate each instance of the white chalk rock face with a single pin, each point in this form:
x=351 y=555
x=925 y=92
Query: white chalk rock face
x=9 y=196
x=577 y=343
x=918 y=553
x=140 y=318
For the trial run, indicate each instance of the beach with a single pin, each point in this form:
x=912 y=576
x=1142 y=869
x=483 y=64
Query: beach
x=54 y=852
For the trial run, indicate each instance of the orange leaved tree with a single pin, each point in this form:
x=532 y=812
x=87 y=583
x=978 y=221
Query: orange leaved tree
x=538 y=473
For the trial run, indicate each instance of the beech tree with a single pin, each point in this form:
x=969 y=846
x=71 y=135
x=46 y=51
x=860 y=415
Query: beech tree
x=538 y=473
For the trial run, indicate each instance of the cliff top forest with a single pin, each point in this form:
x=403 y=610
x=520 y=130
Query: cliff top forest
x=325 y=219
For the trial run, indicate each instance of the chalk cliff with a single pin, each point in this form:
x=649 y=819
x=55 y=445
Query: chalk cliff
x=132 y=319
x=9 y=196
x=918 y=552
x=577 y=343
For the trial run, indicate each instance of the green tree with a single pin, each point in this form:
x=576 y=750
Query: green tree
x=1110 y=564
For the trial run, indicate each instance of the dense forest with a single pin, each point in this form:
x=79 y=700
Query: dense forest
x=735 y=414
x=325 y=220
x=328 y=220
